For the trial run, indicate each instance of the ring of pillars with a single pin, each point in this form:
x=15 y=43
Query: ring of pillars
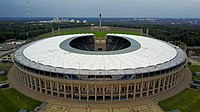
x=99 y=90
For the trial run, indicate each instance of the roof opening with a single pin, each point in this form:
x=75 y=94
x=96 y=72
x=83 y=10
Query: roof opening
x=88 y=43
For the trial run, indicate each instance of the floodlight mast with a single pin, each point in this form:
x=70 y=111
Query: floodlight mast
x=29 y=16
x=100 y=22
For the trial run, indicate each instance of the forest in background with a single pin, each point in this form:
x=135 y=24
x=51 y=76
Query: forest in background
x=189 y=34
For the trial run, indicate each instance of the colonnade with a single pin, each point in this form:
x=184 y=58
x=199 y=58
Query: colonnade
x=99 y=90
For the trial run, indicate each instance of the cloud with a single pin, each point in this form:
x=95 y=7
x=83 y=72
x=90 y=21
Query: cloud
x=195 y=1
x=109 y=8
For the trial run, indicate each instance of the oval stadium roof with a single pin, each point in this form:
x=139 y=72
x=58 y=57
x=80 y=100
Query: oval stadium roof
x=151 y=52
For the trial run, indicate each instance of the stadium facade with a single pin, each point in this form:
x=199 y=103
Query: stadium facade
x=131 y=67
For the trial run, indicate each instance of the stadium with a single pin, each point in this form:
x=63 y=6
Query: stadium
x=78 y=67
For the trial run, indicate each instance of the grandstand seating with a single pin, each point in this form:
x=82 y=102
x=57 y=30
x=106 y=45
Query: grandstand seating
x=113 y=43
x=116 y=43
x=84 y=43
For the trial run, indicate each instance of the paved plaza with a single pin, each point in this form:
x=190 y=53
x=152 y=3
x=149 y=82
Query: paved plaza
x=130 y=106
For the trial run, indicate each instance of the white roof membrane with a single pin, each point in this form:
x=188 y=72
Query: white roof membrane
x=152 y=52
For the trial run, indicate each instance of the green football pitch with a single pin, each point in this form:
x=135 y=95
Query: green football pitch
x=98 y=34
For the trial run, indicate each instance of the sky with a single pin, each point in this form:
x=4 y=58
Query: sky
x=108 y=8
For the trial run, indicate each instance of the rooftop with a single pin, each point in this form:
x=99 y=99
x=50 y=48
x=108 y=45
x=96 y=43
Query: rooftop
x=153 y=55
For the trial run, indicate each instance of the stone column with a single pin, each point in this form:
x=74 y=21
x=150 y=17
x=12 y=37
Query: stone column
x=58 y=92
x=159 y=83
x=87 y=93
x=35 y=83
x=79 y=92
x=175 y=78
x=134 y=94
x=168 y=79
x=95 y=92
x=21 y=78
x=171 y=85
x=45 y=86
x=51 y=88
x=120 y=89
x=154 y=84
x=103 y=92
x=31 y=80
x=127 y=91
x=178 y=77
x=141 y=89
x=111 y=92
x=163 y=87
x=40 y=85
x=27 y=81
x=65 y=96
x=72 y=92
x=20 y=74
x=24 y=79
x=148 y=84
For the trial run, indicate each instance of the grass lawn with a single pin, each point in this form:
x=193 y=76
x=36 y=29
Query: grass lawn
x=194 y=68
x=12 y=101
x=190 y=102
x=4 y=67
x=3 y=78
x=191 y=98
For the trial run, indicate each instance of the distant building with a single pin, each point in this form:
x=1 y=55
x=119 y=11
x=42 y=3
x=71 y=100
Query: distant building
x=72 y=21
x=84 y=21
x=175 y=111
x=18 y=42
x=2 y=73
x=102 y=28
x=23 y=110
x=197 y=73
x=4 y=85
x=7 y=47
x=6 y=60
x=193 y=53
x=78 y=21
x=56 y=20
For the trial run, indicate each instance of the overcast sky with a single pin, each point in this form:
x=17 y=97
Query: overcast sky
x=108 y=8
